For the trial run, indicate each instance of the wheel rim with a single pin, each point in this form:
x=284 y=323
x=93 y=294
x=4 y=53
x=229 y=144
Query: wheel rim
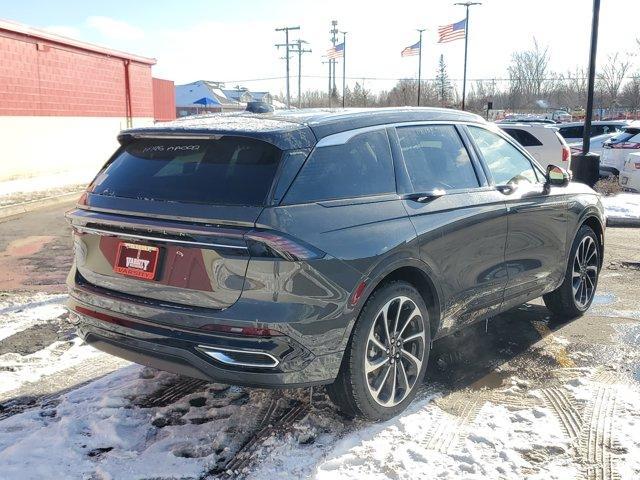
x=585 y=272
x=395 y=351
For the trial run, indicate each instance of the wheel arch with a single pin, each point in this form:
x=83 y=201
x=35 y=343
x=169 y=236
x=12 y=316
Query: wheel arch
x=592 y=221
x=412 y=271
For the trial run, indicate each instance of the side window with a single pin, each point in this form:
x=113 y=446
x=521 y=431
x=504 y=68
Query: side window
x=571 y=132
x=598 y=130
x=507 y=165
x=362 y=166
x=523 y=137
x=436 y=158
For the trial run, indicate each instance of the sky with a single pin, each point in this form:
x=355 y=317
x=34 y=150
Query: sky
x=234 y=41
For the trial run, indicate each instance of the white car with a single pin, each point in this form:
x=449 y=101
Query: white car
x=596 y=144
x=629 y=178
x=573 y=131
x=543 y=142
x=616 y=150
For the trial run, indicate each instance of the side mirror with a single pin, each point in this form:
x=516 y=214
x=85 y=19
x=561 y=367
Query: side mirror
x=557 y=176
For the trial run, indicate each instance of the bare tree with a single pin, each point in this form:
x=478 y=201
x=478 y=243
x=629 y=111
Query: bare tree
x=611 y=76
x=528 y=73
x=630 y=94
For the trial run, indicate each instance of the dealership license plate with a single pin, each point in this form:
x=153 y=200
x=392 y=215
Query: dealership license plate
x=623 y=180
x=139 y=261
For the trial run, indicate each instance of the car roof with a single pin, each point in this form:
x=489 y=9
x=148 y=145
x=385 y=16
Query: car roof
x=595 y=122
x=290 y=129
x=529 y=126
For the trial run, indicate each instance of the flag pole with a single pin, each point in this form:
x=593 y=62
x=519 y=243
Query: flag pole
x=344 y=64
x=420 y=64
x=466 y=42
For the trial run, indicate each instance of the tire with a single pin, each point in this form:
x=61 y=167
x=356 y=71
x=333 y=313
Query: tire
x=564 y=302
x=354 y=390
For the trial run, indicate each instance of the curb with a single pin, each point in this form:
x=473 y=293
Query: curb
x=623 y=222
x=25 y=207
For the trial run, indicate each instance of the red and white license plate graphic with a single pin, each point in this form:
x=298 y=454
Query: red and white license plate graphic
x=140 y=261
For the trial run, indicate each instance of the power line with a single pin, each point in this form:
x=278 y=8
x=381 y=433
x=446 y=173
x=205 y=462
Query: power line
x=287 y=45
x=360 y=77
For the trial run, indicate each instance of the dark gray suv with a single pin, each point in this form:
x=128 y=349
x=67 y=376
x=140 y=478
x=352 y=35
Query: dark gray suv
x=322 y=247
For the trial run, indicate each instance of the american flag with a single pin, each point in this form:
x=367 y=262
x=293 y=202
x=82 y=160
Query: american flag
x=455 y=31
x=411 y=50
x=336 y=51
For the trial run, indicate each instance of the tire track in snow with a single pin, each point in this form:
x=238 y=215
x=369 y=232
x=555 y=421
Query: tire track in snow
x=561 y=405
x=596 y=442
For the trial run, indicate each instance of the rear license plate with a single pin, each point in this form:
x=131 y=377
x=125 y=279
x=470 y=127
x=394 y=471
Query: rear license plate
x=139 y=261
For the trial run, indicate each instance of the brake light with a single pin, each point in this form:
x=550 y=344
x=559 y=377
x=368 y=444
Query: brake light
x=271 y=244
x=625 y=145
x=637 y=165
x=566 y=153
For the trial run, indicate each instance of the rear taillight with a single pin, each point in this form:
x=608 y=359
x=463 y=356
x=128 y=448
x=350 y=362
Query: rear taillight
x=270 y=244
x=637 y=164
x=245 y=331
x=625 y=145
x=566 y=153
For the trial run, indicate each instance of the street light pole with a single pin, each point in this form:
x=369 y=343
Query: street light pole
x=466 y=42
x=420 y=64
x=586 y=136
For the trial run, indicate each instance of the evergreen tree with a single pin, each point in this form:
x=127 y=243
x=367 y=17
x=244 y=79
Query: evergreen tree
x=443 y=84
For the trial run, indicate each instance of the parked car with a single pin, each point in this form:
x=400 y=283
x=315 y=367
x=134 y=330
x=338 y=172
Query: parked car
x=561 y=116
x=527 y=119
x=596 y=144
x=543 y=142
x=629 y=178
x=574 y=131
x=311 y=247
x=616 y=150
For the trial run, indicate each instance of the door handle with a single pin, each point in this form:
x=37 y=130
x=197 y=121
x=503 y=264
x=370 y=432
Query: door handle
x=506 y=189
x=424 y=197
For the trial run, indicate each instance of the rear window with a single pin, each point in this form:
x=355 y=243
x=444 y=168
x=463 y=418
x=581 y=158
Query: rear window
x=629 y=134
x=227 y=171
x=523 y=137
x=572 y=132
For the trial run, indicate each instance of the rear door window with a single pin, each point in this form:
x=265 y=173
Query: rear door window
x=572 y=132
x=227 y=171
x=436 y=158
x=363 y=166
x=506 y=163
x=523 y=137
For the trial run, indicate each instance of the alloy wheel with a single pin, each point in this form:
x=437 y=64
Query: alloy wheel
x=585 y=272
x=395 y=351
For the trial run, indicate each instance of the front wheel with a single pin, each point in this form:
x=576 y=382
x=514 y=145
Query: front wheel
x=574 y=296
x=387 y=356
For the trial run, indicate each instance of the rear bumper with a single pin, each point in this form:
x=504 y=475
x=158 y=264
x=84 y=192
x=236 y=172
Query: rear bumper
x=128 y=330
x=606 y=171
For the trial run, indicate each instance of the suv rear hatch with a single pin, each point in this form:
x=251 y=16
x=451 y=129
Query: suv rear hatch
x=167 y=218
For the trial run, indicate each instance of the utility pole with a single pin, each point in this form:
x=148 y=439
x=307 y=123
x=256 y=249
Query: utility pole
x=300 y=51
x=466 y=41
x=420 y=64
x=287 y=45
x=334 y=39
x=344 y=64
x=329 y=89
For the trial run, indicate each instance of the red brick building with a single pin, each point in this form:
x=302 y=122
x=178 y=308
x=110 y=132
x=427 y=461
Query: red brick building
x=63 y=101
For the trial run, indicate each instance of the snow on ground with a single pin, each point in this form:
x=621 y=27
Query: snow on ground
x=97 y=431
x=46 y=182
x=19 y=313
x=622 y=205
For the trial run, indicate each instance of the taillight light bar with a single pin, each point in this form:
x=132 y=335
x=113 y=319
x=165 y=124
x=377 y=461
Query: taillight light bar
x=264 y=243
x=626 y=145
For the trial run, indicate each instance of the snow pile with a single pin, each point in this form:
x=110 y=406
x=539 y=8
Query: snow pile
x=622 y=206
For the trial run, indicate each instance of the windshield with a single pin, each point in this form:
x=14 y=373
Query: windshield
x=227 y=171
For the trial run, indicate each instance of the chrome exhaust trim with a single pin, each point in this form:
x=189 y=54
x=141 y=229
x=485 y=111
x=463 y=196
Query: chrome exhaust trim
x=225 y=355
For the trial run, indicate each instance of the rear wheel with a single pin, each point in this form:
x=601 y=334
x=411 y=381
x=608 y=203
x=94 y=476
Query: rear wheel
x=574 y=296
x=387 y=356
